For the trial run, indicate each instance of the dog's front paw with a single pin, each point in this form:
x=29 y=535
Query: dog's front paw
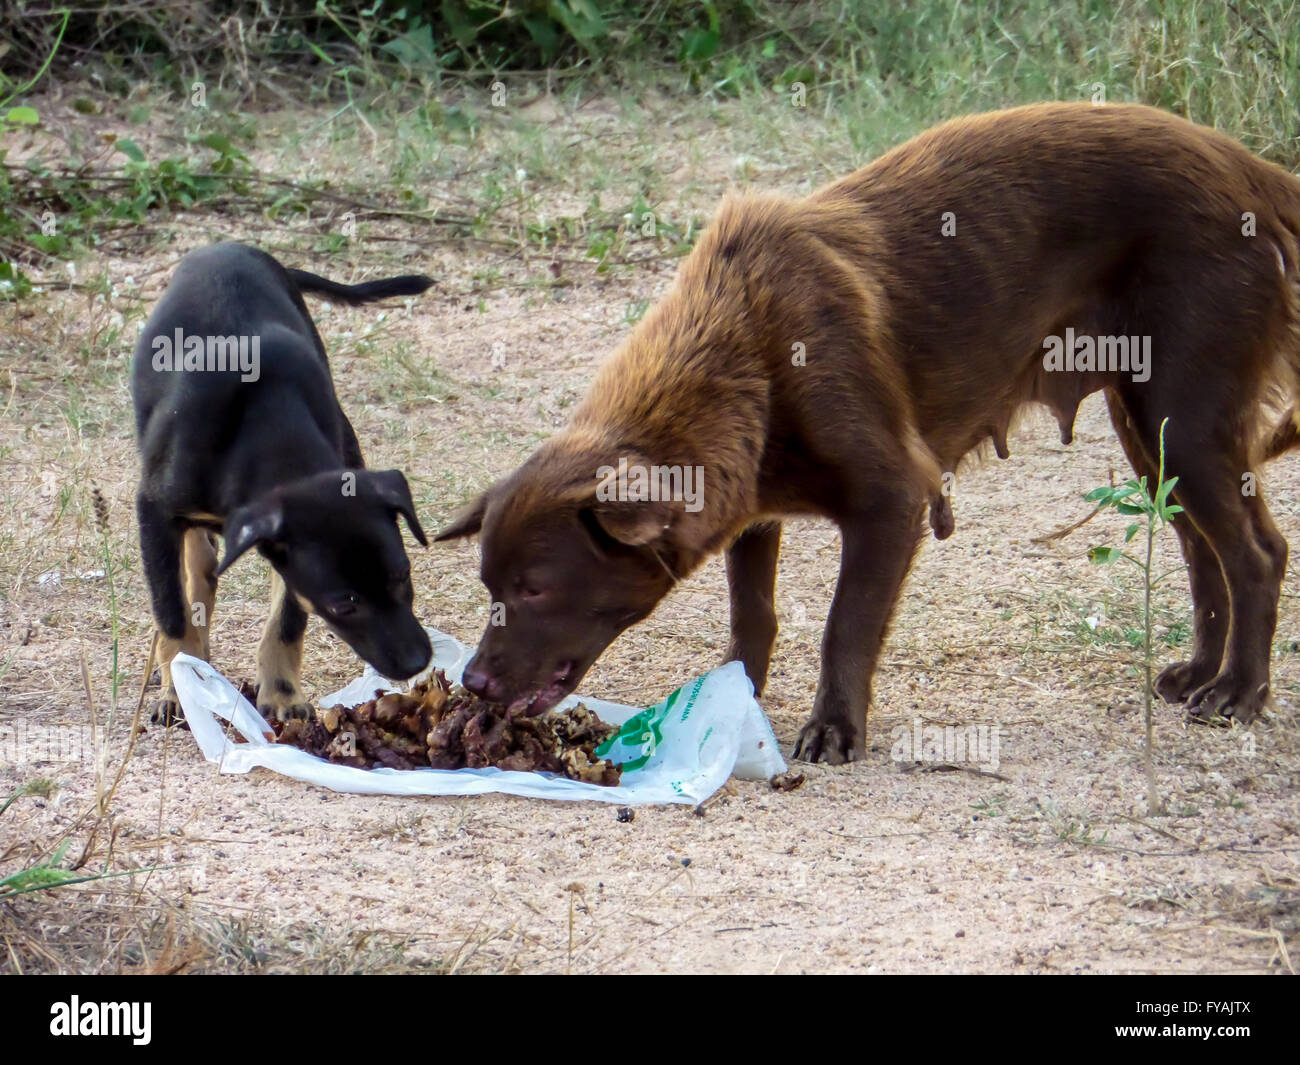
x=1179 y=681
x=755 y=663
x=1227 y=697
x=282 y=700
x=835 y=742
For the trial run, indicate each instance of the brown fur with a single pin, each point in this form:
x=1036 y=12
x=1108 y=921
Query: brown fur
x=918 y=347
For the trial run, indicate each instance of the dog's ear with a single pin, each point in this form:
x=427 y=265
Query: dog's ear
x=634 y=523
x=622 y=509
x=394 y=492
x=257 y=523
x=467 y=521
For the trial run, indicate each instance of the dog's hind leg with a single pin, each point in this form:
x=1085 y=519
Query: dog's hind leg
x=1210 y=607
x=751 y=577
x=200 y=555
x=1218 y=325
x=1253 y=556
x=279 y=657
x=1207 y=451
x=160 y=549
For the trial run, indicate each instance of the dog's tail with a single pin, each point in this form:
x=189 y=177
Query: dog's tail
x=366 y=292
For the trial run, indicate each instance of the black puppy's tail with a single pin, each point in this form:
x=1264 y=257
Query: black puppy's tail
x=366 y=292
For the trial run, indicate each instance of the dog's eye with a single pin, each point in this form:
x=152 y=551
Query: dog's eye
x=342 y=608
x=526 y=590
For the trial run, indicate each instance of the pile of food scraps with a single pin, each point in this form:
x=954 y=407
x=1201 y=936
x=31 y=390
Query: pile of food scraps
x=435 y=725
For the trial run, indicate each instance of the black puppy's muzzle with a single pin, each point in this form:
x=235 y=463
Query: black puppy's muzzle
x=414 y=659
x=394 y=658
x=409 y=666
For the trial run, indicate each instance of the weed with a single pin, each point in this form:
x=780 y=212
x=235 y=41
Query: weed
x=1136 y=499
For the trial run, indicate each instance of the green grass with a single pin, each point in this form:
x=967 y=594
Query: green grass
x=1117 y=622
x=865 y=76
x=888 y=73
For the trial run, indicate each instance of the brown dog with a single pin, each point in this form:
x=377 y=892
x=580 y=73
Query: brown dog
x=834 y=355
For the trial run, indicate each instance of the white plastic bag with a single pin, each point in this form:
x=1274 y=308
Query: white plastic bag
x=680 y=750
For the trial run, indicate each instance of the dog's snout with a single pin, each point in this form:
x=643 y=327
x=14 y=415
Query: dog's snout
x=401 y=662
x=483 y=684
x=476 y=681
x=415 y=662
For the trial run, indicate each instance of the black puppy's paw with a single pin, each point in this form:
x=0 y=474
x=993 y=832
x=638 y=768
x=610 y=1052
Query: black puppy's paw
x=166 y=711
x=283 y=712
x=282 y=700
x=834 y=742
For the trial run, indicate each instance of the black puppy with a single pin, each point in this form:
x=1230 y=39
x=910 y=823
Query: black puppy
x=240 y=432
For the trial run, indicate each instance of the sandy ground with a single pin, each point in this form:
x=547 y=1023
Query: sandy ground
x=1040 y=860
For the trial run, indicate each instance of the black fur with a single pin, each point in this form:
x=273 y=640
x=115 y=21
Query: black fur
x=268 y=457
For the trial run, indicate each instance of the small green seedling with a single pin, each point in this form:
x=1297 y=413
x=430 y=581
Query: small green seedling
x=1135 y=499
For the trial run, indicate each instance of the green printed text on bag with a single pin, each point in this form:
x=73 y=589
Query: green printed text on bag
x=636 y=742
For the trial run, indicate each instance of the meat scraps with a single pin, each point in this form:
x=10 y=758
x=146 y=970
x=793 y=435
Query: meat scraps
x=448 y=728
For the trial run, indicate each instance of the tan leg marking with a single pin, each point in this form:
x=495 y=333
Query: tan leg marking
x=199 y=580
x=279 y=664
